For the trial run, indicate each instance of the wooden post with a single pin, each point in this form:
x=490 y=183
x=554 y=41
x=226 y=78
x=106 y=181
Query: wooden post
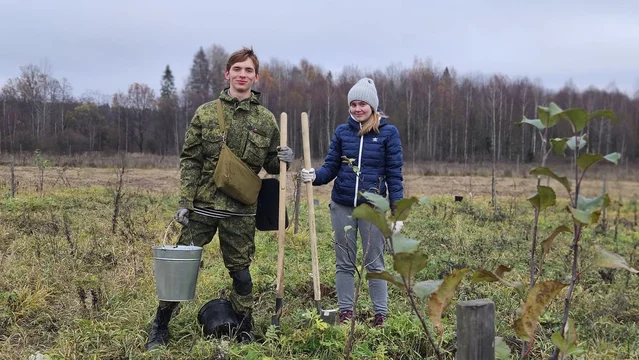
x=13 y=180
x=476 y=330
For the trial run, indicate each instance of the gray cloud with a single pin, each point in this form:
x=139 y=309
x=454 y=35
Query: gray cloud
x=107 y=45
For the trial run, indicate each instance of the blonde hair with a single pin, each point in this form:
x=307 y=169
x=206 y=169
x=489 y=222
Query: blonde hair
x=371 y=124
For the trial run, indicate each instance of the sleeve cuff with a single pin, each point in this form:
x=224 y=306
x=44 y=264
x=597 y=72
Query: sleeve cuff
x=187 y=204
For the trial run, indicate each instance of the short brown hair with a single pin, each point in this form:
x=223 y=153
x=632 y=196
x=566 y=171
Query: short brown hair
x=242 y=55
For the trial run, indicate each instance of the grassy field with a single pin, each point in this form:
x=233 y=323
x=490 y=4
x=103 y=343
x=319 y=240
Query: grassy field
x=71 y=288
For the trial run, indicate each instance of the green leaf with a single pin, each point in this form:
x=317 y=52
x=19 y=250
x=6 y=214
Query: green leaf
x=607 y=259
x=385 y=275
x=502 y=350
x=402 y=244
x=613 y=157
x=544 y=115
x=578 y=118
x=544 y=197
x=538 y=298
x=403 y=207
x=575 y=350
x=380 y=202
x=534 y=122
x=572 y=142
x=368 y=213
x=567 y=344
x=423 y=289
x=559 y=342
x=603 y=113
x=571 y=332
x=559 y=145
x=547 y=172
x=547 y=244
x=584 y=161
x=555 y=113
x=440 y=299
x=589 y=204
x=409 y=264
x=584 y=217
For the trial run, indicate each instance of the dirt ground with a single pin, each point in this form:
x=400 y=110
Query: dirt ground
x=167 y=181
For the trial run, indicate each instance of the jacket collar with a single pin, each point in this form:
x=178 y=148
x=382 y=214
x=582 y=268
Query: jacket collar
x=244 y=104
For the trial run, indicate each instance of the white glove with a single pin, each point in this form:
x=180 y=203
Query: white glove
x=398 y=227
x=308 y=175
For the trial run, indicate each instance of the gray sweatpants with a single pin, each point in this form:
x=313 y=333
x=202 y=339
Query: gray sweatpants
x=346 y=258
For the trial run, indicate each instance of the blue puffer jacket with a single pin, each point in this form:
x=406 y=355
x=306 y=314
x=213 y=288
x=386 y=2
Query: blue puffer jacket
x=378 y=156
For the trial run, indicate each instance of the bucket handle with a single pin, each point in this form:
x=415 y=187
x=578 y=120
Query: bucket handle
x=166 y=232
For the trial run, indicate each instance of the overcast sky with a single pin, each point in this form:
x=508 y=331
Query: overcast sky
x=105 y=45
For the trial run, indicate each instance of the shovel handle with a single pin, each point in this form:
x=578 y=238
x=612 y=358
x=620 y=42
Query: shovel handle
x=281 y=235
x=311 y=207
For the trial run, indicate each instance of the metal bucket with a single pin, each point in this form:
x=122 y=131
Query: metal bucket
x=176 y=270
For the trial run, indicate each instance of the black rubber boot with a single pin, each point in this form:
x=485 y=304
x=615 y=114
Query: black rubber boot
x=245 y=329
x=159 y=334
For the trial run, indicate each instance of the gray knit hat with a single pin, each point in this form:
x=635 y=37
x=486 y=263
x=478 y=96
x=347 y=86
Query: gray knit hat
x=364 y=90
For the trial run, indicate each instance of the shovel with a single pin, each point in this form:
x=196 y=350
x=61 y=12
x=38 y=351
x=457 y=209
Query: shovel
x=281 y=234
x=328 y=316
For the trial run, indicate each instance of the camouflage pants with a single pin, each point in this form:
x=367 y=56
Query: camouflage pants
x=237 y=243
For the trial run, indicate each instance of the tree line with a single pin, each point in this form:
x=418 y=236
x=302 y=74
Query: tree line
x=441 y=115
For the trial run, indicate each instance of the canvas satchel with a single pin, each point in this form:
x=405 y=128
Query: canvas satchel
x=232 y=176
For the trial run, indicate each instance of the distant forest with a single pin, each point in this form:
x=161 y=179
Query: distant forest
x=441 y=115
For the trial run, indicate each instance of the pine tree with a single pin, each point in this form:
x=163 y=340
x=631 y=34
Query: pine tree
x=167 y=88
x=199 y=80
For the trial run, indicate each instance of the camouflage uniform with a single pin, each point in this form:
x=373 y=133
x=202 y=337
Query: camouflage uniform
x=253 y=135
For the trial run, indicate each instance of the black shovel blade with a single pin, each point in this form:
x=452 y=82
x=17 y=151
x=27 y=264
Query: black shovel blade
x=268 y=206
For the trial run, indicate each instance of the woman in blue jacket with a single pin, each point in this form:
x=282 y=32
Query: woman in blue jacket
x=376 y=150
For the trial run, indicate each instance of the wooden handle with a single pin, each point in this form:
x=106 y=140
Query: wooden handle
x=281 y=235
x=311 y=207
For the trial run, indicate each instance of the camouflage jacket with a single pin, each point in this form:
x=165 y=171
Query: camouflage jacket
x=252 y=134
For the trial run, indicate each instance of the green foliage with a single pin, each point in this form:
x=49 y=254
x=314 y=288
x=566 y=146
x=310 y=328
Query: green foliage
x=534 y=122
x=40 y=161
x=544 y=198
x=567 y=345
x=502 y=350
x=39 y=297
x=547 y=172
x=606 y=259
x=584 y=211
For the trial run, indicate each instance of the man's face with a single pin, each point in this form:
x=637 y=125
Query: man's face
x=242 y=76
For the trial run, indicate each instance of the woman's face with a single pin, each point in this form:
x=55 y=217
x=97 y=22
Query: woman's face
x=360 y=110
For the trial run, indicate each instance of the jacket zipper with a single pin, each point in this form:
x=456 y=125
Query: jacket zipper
x=359 y=167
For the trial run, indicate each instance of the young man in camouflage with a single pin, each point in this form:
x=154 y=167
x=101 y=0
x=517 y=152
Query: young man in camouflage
x=253 y=135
